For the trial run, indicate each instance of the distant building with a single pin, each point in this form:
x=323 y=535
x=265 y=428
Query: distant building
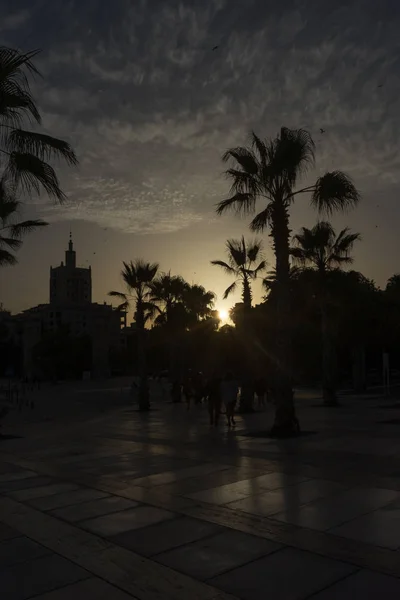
x=70 y=284
x=70 y=308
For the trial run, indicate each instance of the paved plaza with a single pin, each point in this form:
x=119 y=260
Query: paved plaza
x=101 y=502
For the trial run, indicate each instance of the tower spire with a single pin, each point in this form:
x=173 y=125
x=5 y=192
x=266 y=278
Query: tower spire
x=70 y=244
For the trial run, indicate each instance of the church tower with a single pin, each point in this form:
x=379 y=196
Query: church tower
x=70 y=284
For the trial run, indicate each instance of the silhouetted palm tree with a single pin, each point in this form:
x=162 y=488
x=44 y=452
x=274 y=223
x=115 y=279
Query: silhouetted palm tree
x=138 y=277
x=198 y=302
x=269 y=171
x=241 y=259
x=166 y=292
x=321 y=250
x=25 y=154
x=12 y=230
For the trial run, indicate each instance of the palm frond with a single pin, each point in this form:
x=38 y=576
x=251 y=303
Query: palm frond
x=345 y=241
x=44 y=147
x=12 y=243
x=244 y=157
x=262 y=220
x=243 y=202
x=6 y=258
x=237 y=252
x=30 y=172
x=8 y=208
x=293 y=154
x=227 y=268
x=253 y=250
x=229 y=290
x=119 y=295
x=15 y=93
x=19 y=229
x=261 y=267
x=333 y=192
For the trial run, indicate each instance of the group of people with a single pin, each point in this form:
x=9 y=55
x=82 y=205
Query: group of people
x=220 y=393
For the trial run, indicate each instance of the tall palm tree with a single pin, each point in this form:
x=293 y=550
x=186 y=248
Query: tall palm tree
x=198 y=302
x=25 y=155
x=166 y=292
x=324 y=252
x=138 y=277
x=12 y=230
x=241 y=259
x=268 y=172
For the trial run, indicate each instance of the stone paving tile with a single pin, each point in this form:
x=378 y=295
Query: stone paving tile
x=206 y=482
x=7 y=533
x=381 y=528
x=337 y=509
x=24 y=580
x=364 y=585
x=287 y=500
x=126 y=570
x=318 y=542
x=16 y=475
x=222 y=552
x=42 y=490
x=66 y=499
x=89 y=589
x=126 y=520
x=284 y=575
x=94 y=508
x=25 y=484
x=180 y=474
x=224 y=493
x=166 y=535
x=19 y=549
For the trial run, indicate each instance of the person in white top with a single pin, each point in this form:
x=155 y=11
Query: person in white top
x=229 y=393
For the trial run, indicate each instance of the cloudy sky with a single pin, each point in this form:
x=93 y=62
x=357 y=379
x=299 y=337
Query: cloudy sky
x=149 y=107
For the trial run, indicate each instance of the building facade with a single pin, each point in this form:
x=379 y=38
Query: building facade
x=71 y=310
x=70 y=284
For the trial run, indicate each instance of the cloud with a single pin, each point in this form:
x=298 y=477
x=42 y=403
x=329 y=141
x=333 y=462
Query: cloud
x=150 y=107
x=14 y=20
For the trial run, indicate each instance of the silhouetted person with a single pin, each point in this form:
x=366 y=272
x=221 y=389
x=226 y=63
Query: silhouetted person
x=214 y=398
x=187 y=389
x=176 y=392
x=260 y=389
x=229 y=392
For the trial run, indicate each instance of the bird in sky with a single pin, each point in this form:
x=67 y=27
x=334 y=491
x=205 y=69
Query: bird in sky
x=321 y=130
x=380 y=85
x=215 y=48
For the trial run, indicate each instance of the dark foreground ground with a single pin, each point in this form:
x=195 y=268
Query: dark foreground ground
x=100 y=502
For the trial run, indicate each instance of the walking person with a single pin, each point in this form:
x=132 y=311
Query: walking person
x=261 y=392
x=229 y=392
x=187 y=389
x=214 y=398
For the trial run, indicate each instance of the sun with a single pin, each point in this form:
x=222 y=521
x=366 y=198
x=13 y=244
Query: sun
x=223 y=314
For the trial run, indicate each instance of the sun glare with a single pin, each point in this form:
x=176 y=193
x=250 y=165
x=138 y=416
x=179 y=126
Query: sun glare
x=223 y=315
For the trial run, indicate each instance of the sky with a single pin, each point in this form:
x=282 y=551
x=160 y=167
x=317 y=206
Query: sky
x=150 y=107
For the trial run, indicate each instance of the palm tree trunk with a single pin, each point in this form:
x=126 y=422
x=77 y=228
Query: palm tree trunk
x=247 y=393
x=328 y=361
x=144 y=401
x=246 y=292
x=286 y=423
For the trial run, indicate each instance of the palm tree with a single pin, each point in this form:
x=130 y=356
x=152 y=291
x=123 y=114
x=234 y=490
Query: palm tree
x=11 y=231
x=25 y=154
x=166 y=292
x=138 y=277
x=324 y=252
x=241 y=259
x=198 y=302
x=269 y=171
